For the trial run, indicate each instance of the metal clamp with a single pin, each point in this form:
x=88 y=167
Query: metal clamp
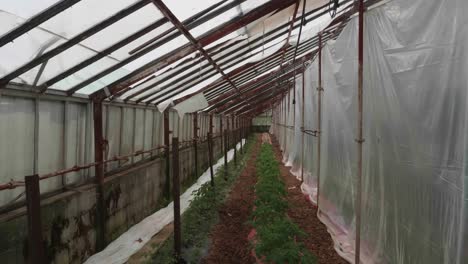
x=360 y=141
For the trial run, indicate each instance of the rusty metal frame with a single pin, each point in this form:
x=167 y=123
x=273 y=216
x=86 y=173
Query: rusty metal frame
x=73 y=41
x=360 y=139
x=208 y=38
x=36 y=20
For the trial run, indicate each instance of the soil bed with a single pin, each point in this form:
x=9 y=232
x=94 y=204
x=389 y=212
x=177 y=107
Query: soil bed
x=304 y=214
x=229 y=243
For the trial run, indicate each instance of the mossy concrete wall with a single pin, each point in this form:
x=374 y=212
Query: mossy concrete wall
x=68 y=218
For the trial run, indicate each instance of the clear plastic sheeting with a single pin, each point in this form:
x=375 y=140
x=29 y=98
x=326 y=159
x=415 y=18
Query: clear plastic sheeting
x=60 y=138
x=414 y=197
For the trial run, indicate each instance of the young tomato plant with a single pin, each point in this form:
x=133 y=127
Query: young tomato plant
x=276 y=234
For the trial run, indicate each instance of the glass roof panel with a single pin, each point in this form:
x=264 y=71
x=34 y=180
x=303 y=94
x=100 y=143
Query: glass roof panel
x=24 y=9
x=86 y=14
x=184 y=9
x=153 y=55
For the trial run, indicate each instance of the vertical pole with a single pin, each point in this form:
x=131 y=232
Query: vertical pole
x=64 y=141
x=210 y=149
x=221 y=133
x=195 y=141
x=360 y=139
x=99 y=172
x=294 y=100
x=176 y=195
x=319 y=118
x=167 y=186
x=239 y=133
x=234 y=140
x=225 y=154
x=302 y=126
x=33 y=206
x=227 y=131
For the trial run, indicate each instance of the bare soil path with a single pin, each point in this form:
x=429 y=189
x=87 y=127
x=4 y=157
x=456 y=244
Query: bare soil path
x=229 y=236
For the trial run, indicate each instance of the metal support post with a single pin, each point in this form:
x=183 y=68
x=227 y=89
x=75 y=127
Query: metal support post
x=234 y=140
x=225 y=154
x=33 y=206
x=167 y=185
x=195 y=141
x=210 y=149
x=176 y=195
x=99 y=172
x=302 y=127
x=360 y=139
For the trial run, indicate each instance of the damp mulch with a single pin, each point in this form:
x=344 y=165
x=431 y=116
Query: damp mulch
x=229 y=238
x=302 y=212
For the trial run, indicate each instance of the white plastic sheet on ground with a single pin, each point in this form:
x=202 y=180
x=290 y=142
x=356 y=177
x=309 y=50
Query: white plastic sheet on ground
x=121 y=249
x=415 y=125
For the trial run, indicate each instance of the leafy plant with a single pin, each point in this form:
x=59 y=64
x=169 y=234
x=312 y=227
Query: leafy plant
x=276 y=234
x=202 y=214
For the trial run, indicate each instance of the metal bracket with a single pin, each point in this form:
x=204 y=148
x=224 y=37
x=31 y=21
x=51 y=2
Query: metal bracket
x=360 y=141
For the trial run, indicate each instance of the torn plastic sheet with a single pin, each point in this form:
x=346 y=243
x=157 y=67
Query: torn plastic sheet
x=193 y=104
x=121 y=249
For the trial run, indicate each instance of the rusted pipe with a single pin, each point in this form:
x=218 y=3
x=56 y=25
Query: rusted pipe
x=33 y=205
x=225 y=154
x=319 y=118
x=176 y=196
x=195 y=140
x=99 y=172
x=167 y=185
x=302 y=126
x=210 y=149
x=234 y=139
x=360 y=139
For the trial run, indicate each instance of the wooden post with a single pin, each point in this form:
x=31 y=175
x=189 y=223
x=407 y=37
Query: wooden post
x=221 y=133
x=176 y=195
x=167 y=185
x=234 y=139
x=239 y=132
x=225 y=154
x=33 y=206
x=99 y=172
x=210 y=150
x=228 y=131
x=195 y=142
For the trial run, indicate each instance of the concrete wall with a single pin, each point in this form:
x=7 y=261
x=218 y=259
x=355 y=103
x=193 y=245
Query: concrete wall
x=68 y=218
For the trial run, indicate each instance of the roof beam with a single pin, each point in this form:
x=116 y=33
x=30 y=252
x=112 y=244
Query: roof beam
x=36 y=21
x=208 y=38
x=192 y=22
x=73 y=41
x=285 y=72
x=174 y=20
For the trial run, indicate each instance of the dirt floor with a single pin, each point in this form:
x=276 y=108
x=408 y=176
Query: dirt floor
x=304 y=213
x=229 y=236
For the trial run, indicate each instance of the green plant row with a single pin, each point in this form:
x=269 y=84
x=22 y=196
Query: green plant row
x=202 y=214
x=276 y=234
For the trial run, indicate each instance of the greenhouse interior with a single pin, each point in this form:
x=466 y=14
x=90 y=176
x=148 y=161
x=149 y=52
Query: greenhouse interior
x=234 y=131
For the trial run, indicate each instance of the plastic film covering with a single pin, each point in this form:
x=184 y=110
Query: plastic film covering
x=42 y=136
x=415 y=125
